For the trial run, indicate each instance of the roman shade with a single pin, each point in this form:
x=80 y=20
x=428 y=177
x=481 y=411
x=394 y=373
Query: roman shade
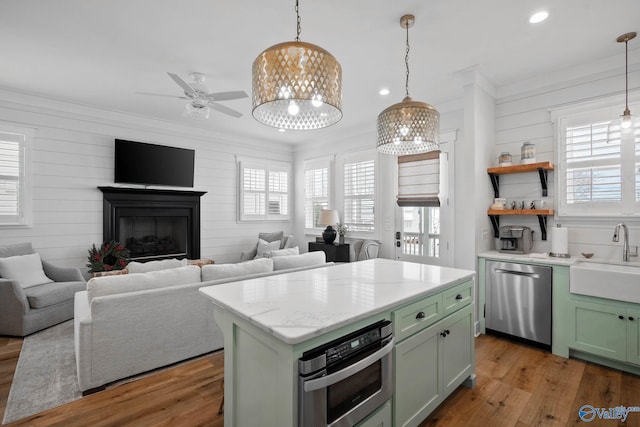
x=419 y=179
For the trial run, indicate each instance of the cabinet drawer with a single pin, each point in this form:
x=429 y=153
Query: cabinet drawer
x=457 y=297
x=416 y=316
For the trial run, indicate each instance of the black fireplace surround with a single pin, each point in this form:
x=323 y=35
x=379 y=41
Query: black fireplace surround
x=153 y=224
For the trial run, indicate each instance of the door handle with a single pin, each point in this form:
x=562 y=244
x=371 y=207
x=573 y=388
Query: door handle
x=517 y=273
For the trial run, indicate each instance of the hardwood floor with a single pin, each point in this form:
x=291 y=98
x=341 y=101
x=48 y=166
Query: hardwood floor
x=517 y=386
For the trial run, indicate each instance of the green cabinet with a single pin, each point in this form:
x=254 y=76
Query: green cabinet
x=380 y=418
x=436 y=359
x=608 y=330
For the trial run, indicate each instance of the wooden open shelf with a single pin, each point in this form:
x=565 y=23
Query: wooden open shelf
x=531 y=167
x=520 y=212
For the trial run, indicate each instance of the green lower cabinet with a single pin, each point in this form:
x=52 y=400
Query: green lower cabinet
x=380 y=418
x=605 y=330
x=633 y=334
x=430 y=364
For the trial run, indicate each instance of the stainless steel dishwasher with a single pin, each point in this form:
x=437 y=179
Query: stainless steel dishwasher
x=518 y=300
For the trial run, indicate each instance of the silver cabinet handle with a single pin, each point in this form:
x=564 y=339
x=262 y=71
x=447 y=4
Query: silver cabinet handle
x=517 y=273
x=327 y=380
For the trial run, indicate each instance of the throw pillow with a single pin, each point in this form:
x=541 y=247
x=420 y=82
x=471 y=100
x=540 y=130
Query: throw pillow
x=265 y=247
x=145 y=267
x=271 y=237
x=26 y=270
x=283 y=252
x=223 y=271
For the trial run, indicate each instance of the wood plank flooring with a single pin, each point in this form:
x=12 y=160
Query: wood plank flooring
x=517 y=386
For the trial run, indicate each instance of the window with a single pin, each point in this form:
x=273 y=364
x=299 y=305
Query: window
x=599 y=176
x=264 y=190
x=15 y=204
x=316 y=191
x=359 y=192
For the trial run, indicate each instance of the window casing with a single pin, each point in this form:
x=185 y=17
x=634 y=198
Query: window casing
x=15 y=179
x=264 y=190
x=360 y=192
x=597 y=176
x=316 y=192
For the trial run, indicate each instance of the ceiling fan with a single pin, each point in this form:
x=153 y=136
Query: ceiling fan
x=200 y=99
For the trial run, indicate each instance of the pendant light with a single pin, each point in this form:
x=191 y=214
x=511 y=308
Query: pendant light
x=409 y=127
x=297 y=86
x=626 y=123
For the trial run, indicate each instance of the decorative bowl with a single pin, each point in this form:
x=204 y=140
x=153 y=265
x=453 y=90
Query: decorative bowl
x=587 y=254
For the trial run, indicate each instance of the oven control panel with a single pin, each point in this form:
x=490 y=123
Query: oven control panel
x=345 y=349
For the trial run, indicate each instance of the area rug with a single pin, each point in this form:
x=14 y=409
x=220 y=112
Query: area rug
x=45 y=375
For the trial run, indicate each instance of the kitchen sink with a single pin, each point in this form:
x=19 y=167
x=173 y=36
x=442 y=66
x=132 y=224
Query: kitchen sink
x=606 y=279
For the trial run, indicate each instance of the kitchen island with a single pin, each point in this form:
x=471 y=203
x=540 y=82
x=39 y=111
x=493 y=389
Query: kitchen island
x=269 y=322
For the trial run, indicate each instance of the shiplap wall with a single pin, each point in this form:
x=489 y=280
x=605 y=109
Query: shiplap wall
x=73 y=154
x=526 y=117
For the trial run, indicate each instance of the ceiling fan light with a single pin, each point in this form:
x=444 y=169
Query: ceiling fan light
x=196 y=111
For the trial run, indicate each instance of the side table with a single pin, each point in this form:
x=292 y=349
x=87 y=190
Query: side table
x=334 y=252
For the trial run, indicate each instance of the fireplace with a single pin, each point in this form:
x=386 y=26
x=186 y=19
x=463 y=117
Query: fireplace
x=153 y=224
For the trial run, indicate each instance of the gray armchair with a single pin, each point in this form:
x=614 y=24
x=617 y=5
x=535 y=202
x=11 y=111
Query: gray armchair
x=24 y=311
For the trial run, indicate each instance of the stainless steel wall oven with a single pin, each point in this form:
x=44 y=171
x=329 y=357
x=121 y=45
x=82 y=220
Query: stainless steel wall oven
x=343 y=381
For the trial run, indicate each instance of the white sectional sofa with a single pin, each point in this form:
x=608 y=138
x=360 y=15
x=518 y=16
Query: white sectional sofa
x=132 y=323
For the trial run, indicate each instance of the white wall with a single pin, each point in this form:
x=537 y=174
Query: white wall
x=523 y=114
x=73 y=154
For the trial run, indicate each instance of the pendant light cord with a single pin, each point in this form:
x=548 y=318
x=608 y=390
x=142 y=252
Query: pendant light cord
x=297 y=22
x=406 y=63
x=626 y=75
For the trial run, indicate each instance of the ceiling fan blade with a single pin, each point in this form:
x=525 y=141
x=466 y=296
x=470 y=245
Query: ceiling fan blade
x=184 y=85
x=225 y=110
x=161 y=95
x=227 y=96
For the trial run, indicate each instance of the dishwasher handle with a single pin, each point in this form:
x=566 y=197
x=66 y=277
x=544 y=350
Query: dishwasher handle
x=517 y=273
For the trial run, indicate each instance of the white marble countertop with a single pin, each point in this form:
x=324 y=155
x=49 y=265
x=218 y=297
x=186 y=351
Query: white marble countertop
x=540 y=258
x=295 y=307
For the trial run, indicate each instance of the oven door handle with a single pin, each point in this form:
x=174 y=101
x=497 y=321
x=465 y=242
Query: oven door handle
x=328 y=380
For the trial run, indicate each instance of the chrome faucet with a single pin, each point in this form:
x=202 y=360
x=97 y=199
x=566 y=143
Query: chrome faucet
x=625 y=241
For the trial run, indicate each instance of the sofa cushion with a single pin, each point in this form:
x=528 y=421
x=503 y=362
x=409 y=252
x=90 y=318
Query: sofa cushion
x=302 y=260
x=283 y=252
x=175 y=276
x=123 y=283
x=40 y=296
x=26 y=270
x=144 y=267
x=222 y=271
x=272 y=237
x=17 y=249
x=264 y=248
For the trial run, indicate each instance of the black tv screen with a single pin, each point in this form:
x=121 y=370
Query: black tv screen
x=151 y=164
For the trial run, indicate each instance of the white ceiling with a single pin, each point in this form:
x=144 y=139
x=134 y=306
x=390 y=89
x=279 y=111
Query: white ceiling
x=99 y=53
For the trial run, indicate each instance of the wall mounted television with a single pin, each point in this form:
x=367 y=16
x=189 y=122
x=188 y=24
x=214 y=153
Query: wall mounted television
x=151 y=164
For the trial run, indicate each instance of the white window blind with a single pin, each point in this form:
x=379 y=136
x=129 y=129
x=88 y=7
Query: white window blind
x=600 y=173
x=14 y=206
x=419 y=179
x=264 y=191
x=316 y=195
x=359 y=195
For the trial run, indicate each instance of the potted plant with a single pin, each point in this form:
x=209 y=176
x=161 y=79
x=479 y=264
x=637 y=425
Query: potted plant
x=342 y=230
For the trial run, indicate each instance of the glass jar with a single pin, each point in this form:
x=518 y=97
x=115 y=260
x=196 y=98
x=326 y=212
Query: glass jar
x=504 y=159
x=528 y=153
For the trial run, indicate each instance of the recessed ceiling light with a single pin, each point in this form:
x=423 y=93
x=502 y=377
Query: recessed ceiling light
x=384 y=91
x=538 y=17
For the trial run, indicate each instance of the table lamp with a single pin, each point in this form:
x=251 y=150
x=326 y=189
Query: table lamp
x=329 y=218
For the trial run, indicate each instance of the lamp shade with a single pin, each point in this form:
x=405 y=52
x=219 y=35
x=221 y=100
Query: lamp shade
x=329 y=217
x=409 y=127
x=297 y=86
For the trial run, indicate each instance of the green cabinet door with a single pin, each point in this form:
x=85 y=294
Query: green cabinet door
x=457 y=349
x=598 y=329
x=633 y=336
x=380 y=418
x=417 y=380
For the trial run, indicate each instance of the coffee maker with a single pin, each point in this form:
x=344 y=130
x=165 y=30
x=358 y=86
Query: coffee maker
x=515 y=239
